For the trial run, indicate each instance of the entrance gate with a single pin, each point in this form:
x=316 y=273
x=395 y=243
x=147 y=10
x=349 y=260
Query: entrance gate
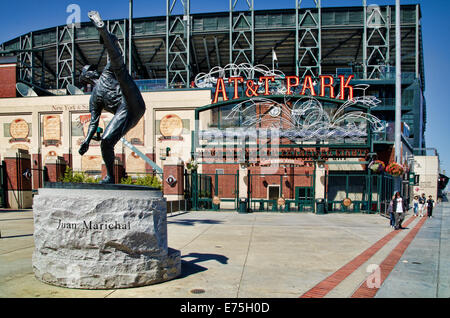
x=368 y=193
x=282 y=192
x=219 y=191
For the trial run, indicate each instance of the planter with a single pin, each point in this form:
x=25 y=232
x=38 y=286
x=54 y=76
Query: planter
x=377 y=166
x=395 y=169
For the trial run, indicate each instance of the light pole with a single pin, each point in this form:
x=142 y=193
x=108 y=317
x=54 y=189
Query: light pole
x=398 y=91
x=130 y=40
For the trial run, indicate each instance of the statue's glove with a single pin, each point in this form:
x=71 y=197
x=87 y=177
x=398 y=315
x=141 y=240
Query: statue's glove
x=84 y=148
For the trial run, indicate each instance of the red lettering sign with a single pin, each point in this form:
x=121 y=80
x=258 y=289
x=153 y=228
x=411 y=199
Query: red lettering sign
x=251 y=88
x=220 y=88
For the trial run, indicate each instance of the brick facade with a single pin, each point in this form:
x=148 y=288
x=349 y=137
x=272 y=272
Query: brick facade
x=176 y=171
x=8 y=80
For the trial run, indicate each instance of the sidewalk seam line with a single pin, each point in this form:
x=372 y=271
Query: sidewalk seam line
x=246 y=257
x=203 y=232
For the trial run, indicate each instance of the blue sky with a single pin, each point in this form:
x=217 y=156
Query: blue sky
x=21 y=17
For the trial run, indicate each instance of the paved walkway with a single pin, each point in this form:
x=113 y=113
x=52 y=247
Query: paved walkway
x=269 y=255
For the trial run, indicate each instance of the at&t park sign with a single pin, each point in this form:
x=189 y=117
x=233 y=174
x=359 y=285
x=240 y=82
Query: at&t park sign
x=253 y=89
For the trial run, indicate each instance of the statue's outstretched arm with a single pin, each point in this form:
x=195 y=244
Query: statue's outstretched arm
x=95 y=120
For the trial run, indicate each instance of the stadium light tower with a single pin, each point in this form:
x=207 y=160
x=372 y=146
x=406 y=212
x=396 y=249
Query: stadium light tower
x=398 y=90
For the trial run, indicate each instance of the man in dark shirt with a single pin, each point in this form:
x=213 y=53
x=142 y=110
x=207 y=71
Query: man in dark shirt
x=115 y=92
x=430 y=205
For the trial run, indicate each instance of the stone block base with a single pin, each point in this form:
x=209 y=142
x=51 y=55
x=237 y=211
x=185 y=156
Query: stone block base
x=102 y=239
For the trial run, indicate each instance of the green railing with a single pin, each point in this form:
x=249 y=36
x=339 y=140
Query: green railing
x=264 y=205
x=375 y=193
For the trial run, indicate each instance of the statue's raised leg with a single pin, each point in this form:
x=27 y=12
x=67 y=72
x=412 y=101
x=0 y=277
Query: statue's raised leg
x=131 y=92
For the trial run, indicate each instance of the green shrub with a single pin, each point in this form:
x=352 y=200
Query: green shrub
x=147 y=181
x=77 y=177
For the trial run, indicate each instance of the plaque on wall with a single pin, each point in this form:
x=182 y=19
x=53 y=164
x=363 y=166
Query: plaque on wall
x=52 y=130
x=171 y=127
x=216 y=200
x=19 y=131
x=135 y=163
x=347 y=202
x=91 y=164
x=136 y=135
x=51 y=154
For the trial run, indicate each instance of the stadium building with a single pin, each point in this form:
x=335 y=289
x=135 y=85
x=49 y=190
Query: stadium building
x=266 y=110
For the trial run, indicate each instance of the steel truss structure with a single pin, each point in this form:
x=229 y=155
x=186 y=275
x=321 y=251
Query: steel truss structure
x=376 y=41
x=178 y=41
x=308 y=41
x=242 y=33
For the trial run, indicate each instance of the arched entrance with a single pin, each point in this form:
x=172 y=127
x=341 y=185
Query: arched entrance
x=274 y=153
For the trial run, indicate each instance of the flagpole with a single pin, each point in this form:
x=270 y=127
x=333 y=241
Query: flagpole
x=398 y=90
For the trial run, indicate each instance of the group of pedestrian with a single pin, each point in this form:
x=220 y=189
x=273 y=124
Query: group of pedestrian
x=398 y=209
x=422 y=206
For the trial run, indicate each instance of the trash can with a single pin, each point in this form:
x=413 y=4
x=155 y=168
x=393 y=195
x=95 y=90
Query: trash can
x=243 y=205
x=320 y=206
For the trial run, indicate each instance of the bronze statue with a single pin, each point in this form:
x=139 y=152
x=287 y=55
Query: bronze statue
x=114 y=91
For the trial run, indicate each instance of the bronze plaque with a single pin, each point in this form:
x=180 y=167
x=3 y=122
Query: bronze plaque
x=171 y=126
x=135 y=163
x=19 y=129
x=347 y=202
x=52 y=130
x=216 y=200
x=50 y=155
x=91 y=164
x=136 y=135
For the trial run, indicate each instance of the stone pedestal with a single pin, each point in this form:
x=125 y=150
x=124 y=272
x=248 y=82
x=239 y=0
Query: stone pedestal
x=102 y=237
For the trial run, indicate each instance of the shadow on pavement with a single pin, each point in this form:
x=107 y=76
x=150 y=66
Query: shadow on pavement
x=15 y=236
x=13 y=211
x=191 y=267
x=191 y=222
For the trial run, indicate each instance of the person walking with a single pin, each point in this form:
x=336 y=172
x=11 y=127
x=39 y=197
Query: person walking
x=416 y=205
x=399 y=209
x=391 y=212
x=422 y=202
x=430 y=205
